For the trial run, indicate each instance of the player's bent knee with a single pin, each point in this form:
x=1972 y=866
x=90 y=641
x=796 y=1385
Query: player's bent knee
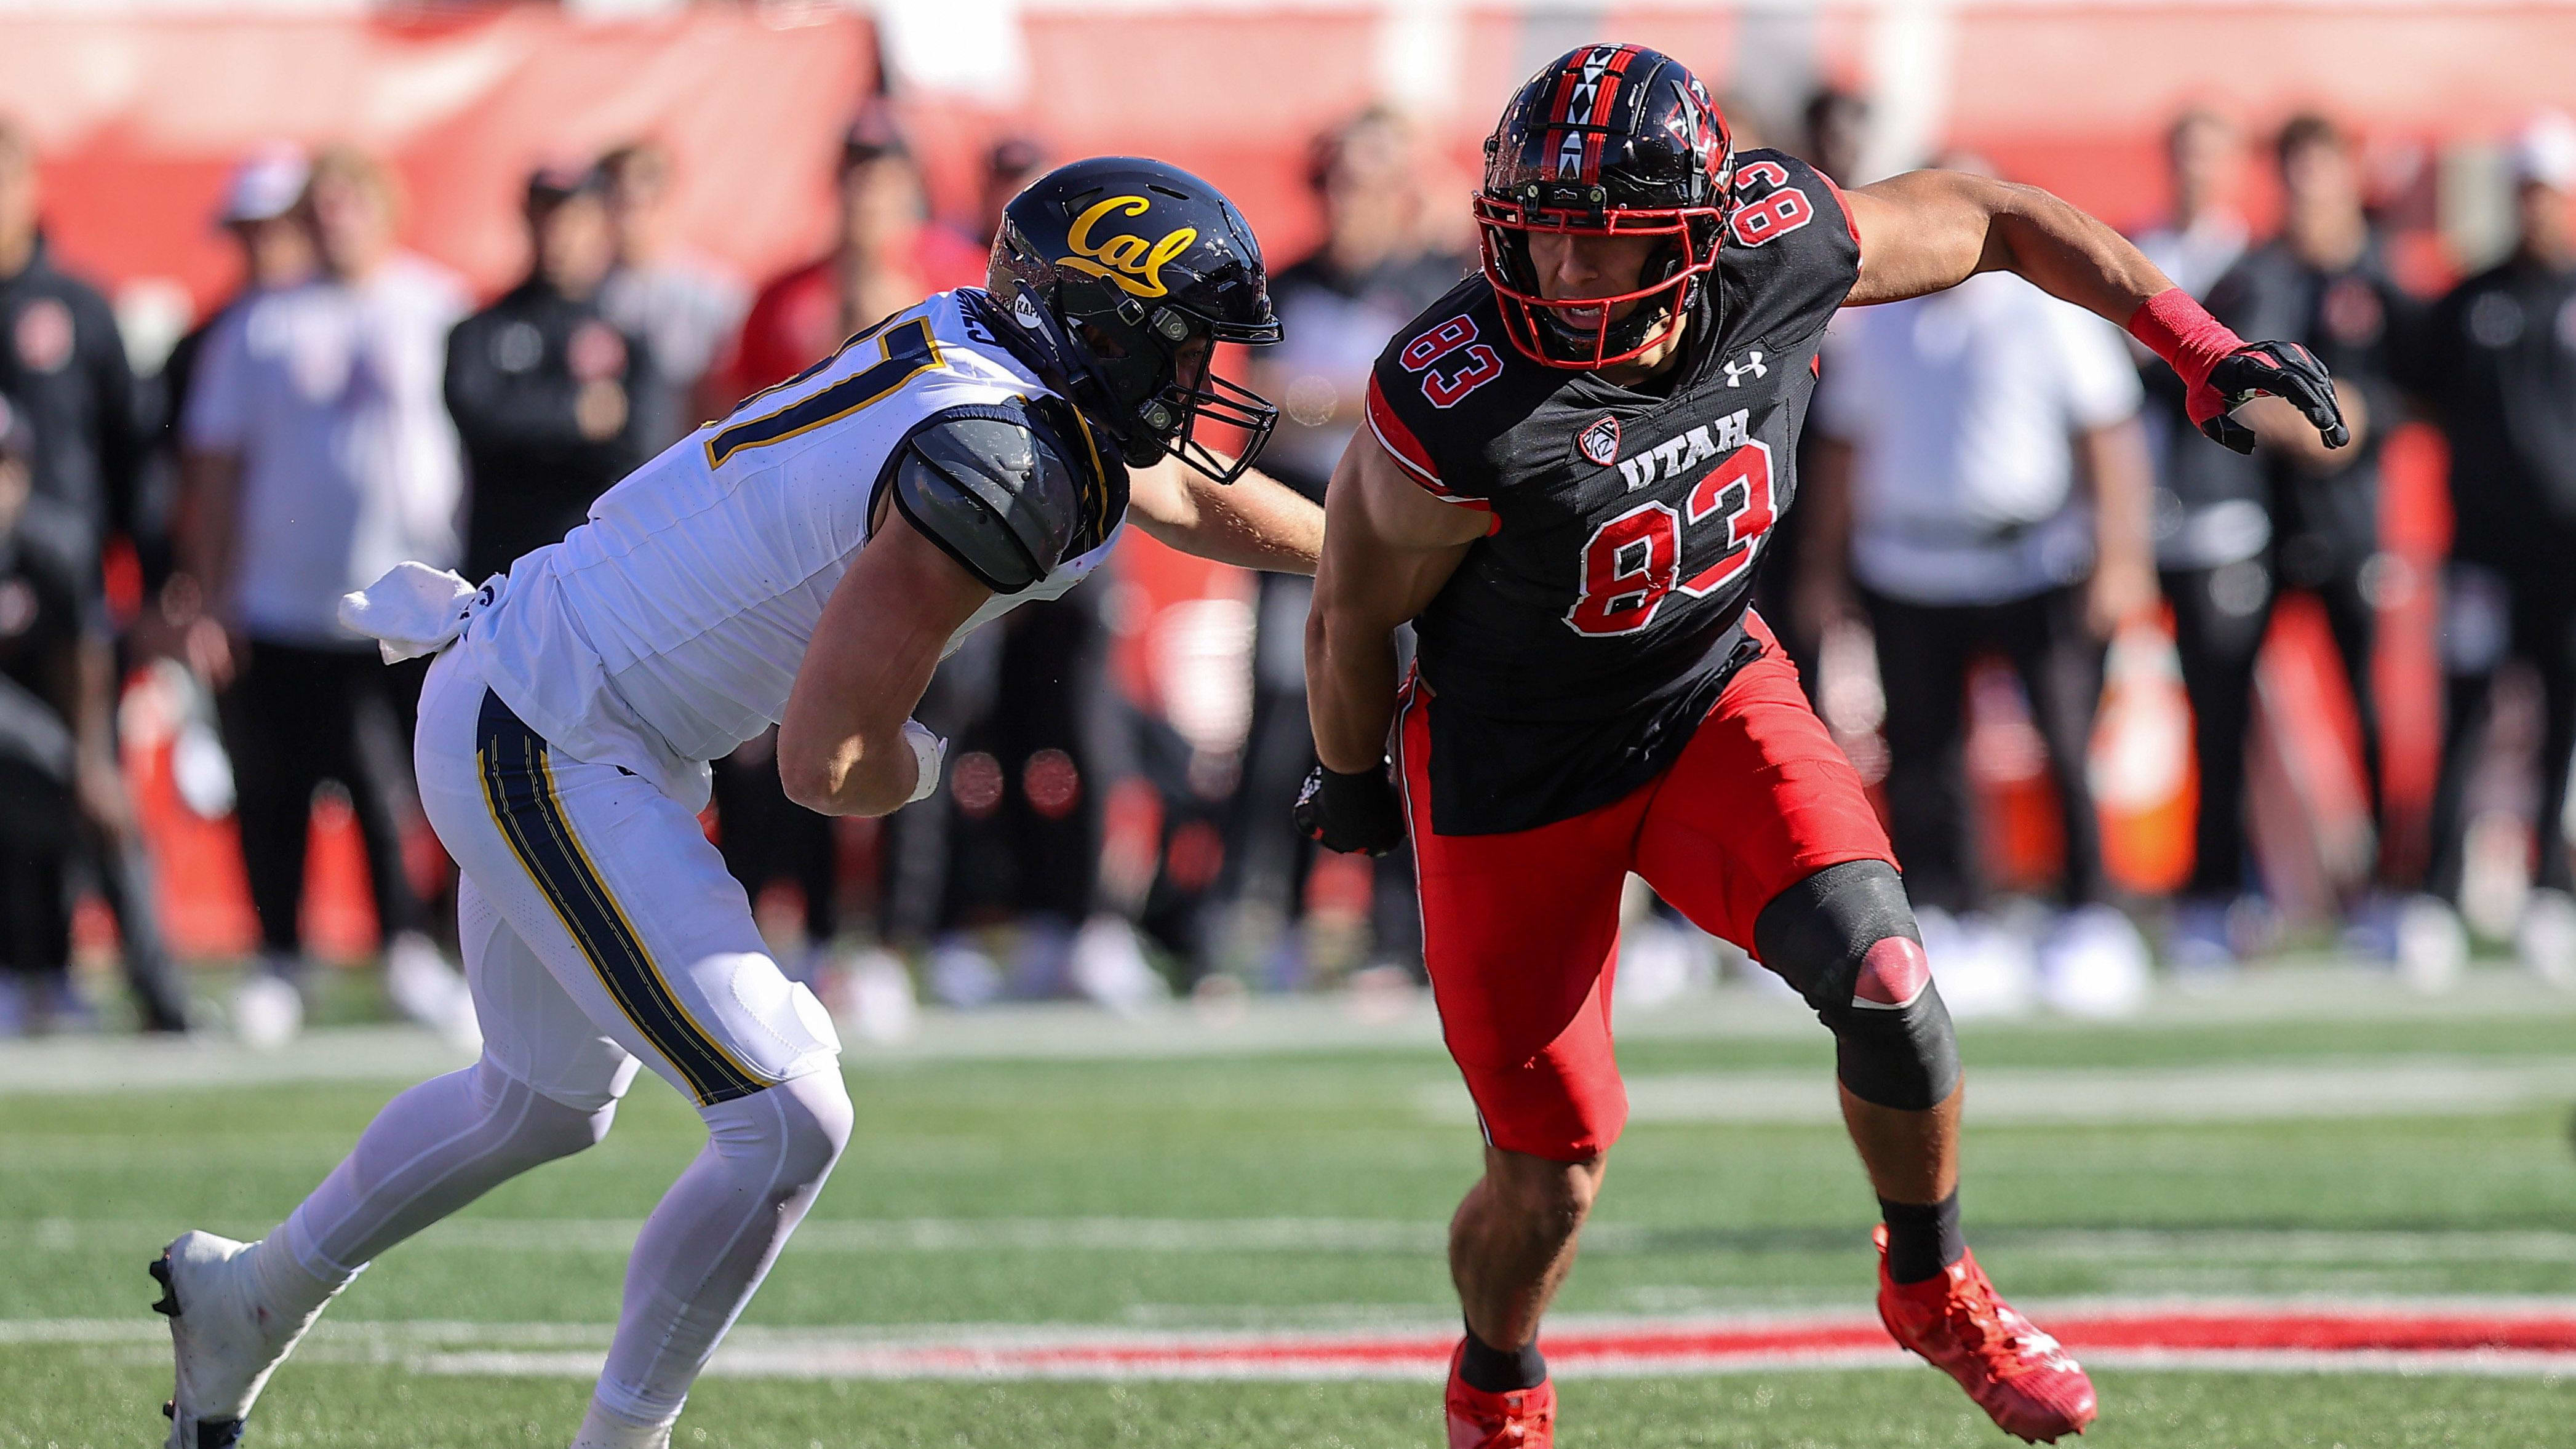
x=794 y=1131
x=540 y=1128
x=1845 y=938
x=1543 y=1189
x=824 y=1116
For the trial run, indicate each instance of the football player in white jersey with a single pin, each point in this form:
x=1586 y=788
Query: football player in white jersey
x=806 y=562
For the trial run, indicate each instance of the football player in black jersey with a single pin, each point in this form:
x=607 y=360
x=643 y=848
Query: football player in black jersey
x=1574 y=461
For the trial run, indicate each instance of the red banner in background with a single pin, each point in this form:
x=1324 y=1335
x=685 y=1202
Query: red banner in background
x=139 y=121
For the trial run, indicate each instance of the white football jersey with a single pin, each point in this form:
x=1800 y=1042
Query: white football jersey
x=685 y=604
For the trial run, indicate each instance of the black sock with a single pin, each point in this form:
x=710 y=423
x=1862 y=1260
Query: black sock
x=1491 y=1370
x=1921 y=1241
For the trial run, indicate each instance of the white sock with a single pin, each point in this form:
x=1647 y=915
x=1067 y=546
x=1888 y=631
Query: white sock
x=601 y=1429
x=711 y=1240
x=431 y=1151
x=285 y=1285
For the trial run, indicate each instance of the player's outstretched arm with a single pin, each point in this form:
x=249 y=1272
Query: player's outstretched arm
x=1255 y=522
x=1388 y=548
x=1928 y=230
x=841 y=748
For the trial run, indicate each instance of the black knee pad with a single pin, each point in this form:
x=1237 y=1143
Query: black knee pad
x=1845 y=938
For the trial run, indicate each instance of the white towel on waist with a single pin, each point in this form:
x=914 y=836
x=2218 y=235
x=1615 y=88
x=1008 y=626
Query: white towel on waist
x=415 y=609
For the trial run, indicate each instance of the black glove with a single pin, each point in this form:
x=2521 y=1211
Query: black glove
x=2285 y=370
x=1355 y=814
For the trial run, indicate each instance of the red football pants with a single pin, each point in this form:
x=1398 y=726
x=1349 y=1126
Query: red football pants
x=1519 y=930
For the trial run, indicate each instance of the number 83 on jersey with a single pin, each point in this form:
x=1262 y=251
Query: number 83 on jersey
x=1632 y=563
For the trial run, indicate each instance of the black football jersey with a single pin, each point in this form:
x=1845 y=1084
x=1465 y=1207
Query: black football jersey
x=1580 y=642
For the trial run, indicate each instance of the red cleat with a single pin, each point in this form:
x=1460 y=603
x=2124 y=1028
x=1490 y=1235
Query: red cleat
x=1525 y=1419
x=2014 y=1372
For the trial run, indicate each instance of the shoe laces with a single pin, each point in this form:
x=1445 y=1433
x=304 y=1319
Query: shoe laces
x=1984 y=1325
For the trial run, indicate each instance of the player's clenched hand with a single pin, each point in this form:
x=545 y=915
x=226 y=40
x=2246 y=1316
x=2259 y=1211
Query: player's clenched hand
x=1355 y=814
x=2281 y=369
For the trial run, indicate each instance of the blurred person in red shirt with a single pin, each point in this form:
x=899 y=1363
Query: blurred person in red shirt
x=1030 y=708
x=886 y=256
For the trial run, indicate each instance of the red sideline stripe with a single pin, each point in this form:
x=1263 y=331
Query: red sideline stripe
x=2299 y=1331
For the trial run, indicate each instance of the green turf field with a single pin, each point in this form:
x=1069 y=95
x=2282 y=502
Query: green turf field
x=1076 y=1179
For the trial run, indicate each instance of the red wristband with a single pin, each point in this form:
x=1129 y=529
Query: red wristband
x=2174 y=327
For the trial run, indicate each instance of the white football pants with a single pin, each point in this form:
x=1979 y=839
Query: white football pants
x=600 y=929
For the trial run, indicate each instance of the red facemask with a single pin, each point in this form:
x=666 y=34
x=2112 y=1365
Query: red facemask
x=1545 y=330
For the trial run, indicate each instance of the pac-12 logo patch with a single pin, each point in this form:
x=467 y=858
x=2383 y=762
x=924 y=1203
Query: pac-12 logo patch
x=1600 y=441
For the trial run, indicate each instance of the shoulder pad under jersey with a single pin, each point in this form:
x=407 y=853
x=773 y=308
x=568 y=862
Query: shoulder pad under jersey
x=994 y=491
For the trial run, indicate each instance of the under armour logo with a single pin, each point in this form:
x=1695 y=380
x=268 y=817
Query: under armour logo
x=1752 y=367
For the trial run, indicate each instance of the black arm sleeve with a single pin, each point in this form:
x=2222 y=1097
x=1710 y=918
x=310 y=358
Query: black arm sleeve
x=994 y=493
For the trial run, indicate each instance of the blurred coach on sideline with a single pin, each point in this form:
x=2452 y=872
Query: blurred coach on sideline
x=551 y=399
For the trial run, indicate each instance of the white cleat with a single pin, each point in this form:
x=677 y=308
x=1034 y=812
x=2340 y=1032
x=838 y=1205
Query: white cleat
x=2432 y=945
x=2093 y=963
x=267 y=1012
x=2545 y=938
x=225 y=1342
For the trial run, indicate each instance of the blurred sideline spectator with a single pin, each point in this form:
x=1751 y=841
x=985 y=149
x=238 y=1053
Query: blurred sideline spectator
x=63 y=363
x=1835 y=126
x=2324 y=283
x=552 y=401
x=258 y=213
x=2213 y=533
x=886 y=257
x=1039 y=740
x=2498 y=370
x=57 y=746
x=61 y=358
x=1337 y=307
x=1835 y=133
x=1011 y=164
x=687 y=308
x=1960 y=428
x=319 y=454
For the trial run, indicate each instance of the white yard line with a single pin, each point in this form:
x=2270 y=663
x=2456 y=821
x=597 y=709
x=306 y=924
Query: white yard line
x=1266 y=1026
x=865 y=1237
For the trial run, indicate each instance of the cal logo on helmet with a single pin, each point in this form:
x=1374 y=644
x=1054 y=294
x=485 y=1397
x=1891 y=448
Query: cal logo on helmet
x=1126 y=259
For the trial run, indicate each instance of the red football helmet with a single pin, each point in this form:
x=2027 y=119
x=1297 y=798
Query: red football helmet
x=1607 y=140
